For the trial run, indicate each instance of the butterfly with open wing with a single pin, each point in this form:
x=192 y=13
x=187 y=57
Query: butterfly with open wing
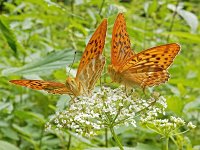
x=147 y=68
x=89 y=70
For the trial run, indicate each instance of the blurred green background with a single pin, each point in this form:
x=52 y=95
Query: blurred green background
x=38 y=40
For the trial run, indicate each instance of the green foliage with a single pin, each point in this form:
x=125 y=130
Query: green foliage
x=45 y=65
x=39 y=38
x=5 y=145
x=9 y=35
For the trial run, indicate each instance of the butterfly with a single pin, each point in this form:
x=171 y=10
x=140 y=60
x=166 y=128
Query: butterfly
x=147 y=68
x=89 y=70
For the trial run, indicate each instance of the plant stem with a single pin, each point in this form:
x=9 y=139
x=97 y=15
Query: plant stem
x=106 y=137
x=100 y=10
x=171 y=137
x=172 y=22
x=116 y=138
x=69 y=142
x=41 y=136
x=167 y=141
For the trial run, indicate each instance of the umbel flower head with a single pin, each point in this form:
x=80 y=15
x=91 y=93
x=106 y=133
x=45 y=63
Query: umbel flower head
x=104 y=109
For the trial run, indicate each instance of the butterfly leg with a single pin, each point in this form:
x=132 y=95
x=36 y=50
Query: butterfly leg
x=126 y=90
x=143 y=89
x=72 y=99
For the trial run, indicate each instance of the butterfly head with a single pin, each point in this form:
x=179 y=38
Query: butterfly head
x=73 y=86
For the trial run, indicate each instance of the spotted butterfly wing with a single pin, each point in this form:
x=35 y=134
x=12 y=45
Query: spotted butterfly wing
x=89 y=70
x=49 y=86
x=120 y=45
x=92 y=61
x=94 y=47
x=147 y=68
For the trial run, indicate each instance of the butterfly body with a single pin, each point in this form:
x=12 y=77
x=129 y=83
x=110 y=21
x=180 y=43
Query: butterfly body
x=89 y=70
x=147 y=68
x=74 y=86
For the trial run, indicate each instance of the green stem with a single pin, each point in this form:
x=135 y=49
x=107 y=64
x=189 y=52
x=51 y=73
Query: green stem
x=106 y=137
x=118 y=112
x=174 y=141
x=41 y=136
x=167 y=141
x=172 y=22
x=116 y=138
x=69 y=142
x=100 y=10
x=145 y=28
x=72 y=11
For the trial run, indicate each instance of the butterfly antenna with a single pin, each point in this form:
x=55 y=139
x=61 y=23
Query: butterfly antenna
x=72 y=63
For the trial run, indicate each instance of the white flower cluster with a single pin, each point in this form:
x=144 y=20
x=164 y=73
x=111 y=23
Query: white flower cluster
x=105 y=108
x=167 y=127
x=154 y=110
x=190 y=125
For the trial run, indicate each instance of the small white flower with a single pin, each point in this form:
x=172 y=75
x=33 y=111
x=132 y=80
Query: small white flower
x=190 y=125
x=56 y=121
x=64 y=121
x=120 y=104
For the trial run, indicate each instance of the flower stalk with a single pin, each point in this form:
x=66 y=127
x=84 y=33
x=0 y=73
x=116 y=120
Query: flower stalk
x=167 y=142
x=116 y=138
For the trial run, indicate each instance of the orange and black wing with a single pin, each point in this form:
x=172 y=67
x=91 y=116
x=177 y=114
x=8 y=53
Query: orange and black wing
x=120 y=46
x=92 y=61
x=49 y=86
x=94 y=47
x=149 y=67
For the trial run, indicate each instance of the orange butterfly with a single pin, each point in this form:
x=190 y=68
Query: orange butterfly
x=147 y=68
x=89 y=70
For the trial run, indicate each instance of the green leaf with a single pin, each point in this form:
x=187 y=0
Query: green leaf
x=192 y=38
x=7 y=146
x=10 y=133
x=54 y=60
x=190 y=18
x=139 y=146
x=21 y=130
x=82 y=139
x=9 y=35
x=25 y=115
x=110 y=148
x=150 y=7
x=175 y=104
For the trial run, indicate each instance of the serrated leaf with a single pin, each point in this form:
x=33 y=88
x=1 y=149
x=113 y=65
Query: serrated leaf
x=54 y=60
x=7 y=146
